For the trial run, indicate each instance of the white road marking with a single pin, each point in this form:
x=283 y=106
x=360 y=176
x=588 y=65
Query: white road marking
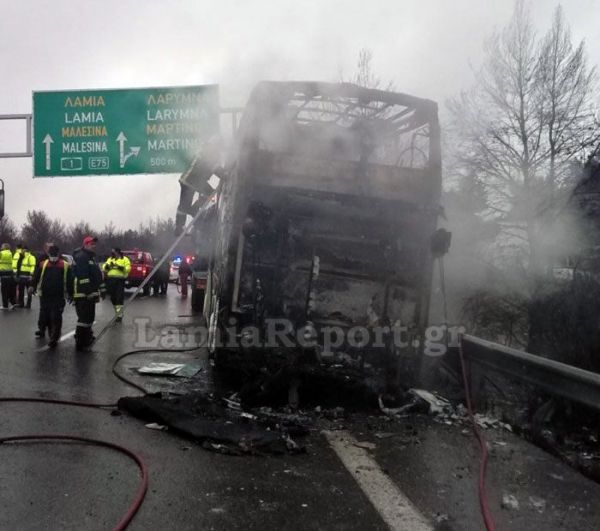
x=71 y=333
x=395 y=508
x=66 y=336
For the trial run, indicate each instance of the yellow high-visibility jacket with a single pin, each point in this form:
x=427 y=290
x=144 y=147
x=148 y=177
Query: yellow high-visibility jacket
x=27 y=265
x=15 y=258
x=6 y=262
x=117 y=267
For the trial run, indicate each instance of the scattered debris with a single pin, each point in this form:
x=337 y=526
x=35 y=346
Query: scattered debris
x=233 y=402
x=293 y=423
x=441 y=518
x=334 y=413
x=190 y=369
x=384 y=434
x=155 y=426
x=281 y=379
x=167 y=369
x=487 y=421
x=539 y=504
x=365 y=445
x=510 y=502
x=182 y=370
x=461 y=410
x=437 y=404
x=216 y=426
x=417 y=401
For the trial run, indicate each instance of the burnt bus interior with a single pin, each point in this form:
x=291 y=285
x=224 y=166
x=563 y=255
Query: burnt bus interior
x=326 y=213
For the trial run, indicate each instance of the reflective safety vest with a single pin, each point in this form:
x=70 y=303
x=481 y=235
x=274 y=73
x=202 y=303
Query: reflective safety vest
x=88 y=279
x=28 y=265
x=65 y=267
x=6 y=262
x=117 y=267
x=15 y=259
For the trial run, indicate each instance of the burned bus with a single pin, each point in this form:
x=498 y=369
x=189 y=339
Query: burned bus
x=319 y=242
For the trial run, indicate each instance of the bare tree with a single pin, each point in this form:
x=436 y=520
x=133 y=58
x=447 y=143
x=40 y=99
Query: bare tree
x=58 y=234
x=8 y=231
x=566 y=84
x=37 y=229
x=109 y=230
x=76 y=233
x=518 y=133
x=364 y=76
x=529 y=115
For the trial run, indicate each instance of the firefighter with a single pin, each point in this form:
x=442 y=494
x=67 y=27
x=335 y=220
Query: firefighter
x=116 y=270
x=184 y=274
x=6 y=277
x=24 y=270
x=87 y=291
x=53 y=283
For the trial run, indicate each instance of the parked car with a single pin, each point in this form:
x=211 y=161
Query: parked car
x=174 y=269
x=142 y=264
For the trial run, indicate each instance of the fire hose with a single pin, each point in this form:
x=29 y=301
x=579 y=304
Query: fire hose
x=141 y=491
x=483 y=500
x=143 y=487
x=201 y=211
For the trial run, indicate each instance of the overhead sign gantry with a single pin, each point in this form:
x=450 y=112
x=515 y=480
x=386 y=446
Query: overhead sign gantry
x=121 y=131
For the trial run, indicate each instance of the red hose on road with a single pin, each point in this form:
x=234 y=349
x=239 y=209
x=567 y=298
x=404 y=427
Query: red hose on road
x=134 y=507
x=483 y=501
x=141 y=492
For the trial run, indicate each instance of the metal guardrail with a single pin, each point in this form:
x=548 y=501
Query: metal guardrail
x=554 y=377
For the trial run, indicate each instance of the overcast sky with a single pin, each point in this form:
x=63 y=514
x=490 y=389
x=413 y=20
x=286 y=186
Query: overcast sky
x=425 y=46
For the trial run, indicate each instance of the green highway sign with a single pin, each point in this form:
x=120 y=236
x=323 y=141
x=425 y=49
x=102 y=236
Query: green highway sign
x=121 y=131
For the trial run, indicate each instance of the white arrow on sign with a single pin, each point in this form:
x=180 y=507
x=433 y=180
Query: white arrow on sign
x=133 y=151
x=48 y=141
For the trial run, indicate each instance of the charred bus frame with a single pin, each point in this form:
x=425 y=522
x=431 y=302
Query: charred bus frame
x=324 y=216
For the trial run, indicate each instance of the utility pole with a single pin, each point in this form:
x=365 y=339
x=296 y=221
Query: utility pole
x=2 y=200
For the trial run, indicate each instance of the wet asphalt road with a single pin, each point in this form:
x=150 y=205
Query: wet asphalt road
x=68 y=486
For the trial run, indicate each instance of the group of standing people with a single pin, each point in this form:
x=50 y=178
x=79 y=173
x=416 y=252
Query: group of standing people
x=57 y=282
x=16 y=275
x=49 y=276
